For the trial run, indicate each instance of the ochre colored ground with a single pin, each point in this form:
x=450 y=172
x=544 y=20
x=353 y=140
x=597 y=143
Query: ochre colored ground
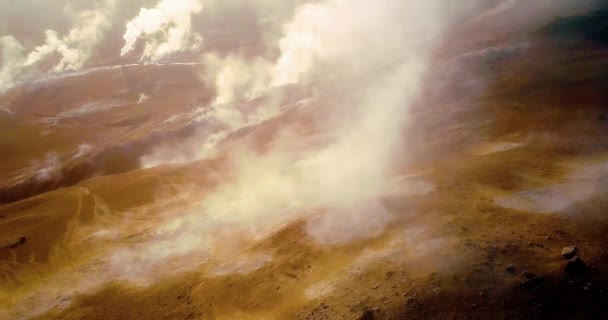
x=505 y=164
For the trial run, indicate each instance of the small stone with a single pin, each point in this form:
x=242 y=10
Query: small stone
x=511 y=269
x=20 y=242
x=569 y=252
x=367 y=315
x=575 y=266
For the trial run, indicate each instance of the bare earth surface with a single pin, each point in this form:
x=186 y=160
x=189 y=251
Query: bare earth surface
x=506 y=164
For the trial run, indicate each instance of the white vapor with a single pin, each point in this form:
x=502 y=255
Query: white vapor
x=48 y=169
x=166 y=29
x=236 y=78
x=237 y=81
x=12 y=58
x=363 y=62
x=58 y=53
x=330 y=163
x=75 y=48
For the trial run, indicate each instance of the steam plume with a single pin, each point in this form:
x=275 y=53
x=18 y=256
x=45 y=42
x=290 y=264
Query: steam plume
x=367 y=58
x=12 y=57
x=75 y=48
x=166 y=29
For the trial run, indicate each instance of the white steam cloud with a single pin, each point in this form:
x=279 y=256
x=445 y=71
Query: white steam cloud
x=166 y=29
x=237 y=81
x=69 y=52
x=12 y=58
x=363 y=63
x=75 y=48
x=236 y=78
x=359 y=63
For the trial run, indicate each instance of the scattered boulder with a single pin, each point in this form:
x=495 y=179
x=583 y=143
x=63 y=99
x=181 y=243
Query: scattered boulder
x=534 y=284
x=367 y=315
x=569 y=252
x=575 y=266
x=18 y=243
x=527 y=274
x=510 y=269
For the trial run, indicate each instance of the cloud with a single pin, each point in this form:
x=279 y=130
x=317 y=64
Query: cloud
x=360 y=64
x=142 y=98
x=70 y=52
x=236 y=78
x=166 y=29
x=237 y=82
x=323 y=33
x=49 y=169
x=318 y=40
x=83 y=150
x=12 y=58
x=75 y=48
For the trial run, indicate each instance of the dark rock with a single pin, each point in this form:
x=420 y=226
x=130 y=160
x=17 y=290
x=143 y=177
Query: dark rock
x=569 y=252
x=535 y=284
x=367 y=315
x=511 y=269
x=576 y=266
x=17 y=244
